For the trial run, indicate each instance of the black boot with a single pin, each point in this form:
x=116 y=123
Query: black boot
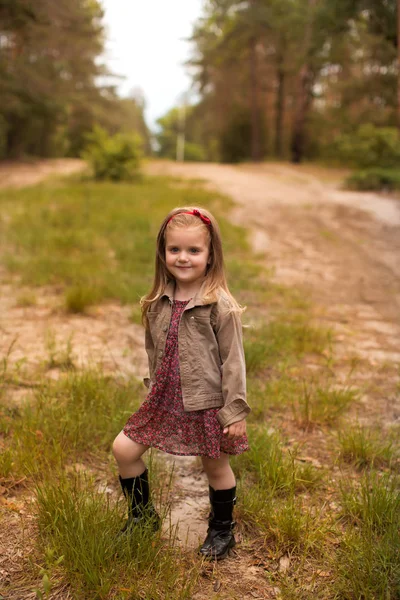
x=140 y=508
x=220 y=538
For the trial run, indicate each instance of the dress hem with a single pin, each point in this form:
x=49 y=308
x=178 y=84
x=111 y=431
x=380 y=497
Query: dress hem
x=182 y=453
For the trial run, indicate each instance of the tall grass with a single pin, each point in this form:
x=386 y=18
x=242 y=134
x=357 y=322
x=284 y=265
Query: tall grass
x=64 y=421
x=364 y=447
x=367 y=564
x=79 y=530
x=283 y=342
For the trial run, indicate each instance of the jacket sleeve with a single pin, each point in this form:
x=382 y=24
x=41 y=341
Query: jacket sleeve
x=228 y=331
x=149 y=347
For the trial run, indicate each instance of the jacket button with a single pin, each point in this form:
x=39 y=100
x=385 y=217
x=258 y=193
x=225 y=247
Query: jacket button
x=192 y=318
x=165 y=328
x=160 y=353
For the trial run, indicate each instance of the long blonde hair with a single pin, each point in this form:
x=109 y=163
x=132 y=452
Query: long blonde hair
x=215 y=274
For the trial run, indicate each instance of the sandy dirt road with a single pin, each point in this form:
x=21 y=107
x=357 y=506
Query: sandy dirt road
x=342 y=248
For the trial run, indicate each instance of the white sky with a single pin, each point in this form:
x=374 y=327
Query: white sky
x=145 y=43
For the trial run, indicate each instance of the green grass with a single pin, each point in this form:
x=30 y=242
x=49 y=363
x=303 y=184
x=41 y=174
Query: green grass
x=282 y=342
x=364 y=447
x=79 y=538
x=65 y=421
x=96 y=242
x=367 y=564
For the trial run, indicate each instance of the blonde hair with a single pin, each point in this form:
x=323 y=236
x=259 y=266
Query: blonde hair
x=215 y=274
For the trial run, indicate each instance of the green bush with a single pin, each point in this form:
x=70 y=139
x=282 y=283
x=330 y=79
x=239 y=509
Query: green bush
x=115 y=158
x=369 y=146
x=194 y=152
x=374 y=179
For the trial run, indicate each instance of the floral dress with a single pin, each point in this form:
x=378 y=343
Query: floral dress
x=161 y=421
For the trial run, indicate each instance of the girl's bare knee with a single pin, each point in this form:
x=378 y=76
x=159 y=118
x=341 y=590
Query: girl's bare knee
x=215 y=467
x=126 y=450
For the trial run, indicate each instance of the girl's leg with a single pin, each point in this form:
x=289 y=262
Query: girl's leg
x=128 y=454
x=222 y=490
x=134 y=482
x=219 y=473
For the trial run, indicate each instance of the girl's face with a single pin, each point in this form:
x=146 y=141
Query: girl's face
x=187 y=254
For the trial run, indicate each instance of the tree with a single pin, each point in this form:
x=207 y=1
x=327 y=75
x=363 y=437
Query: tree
x=52 y=85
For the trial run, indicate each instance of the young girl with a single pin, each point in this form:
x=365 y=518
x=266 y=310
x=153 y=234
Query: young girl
x=196 y=405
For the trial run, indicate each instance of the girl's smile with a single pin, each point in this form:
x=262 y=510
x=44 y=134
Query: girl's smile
x=187 y=255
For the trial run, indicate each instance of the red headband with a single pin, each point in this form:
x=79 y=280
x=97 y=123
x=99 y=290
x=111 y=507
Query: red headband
x=194 y=212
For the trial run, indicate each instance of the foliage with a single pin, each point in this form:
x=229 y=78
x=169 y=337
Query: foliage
x=114 y=158
x=171 y=124
x=236 y=138
x=374 y=179
x=369 y=146
x=50 y=74
x=302 y=70
x=194 y=152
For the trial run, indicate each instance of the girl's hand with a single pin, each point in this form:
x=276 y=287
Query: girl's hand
x=236 y=429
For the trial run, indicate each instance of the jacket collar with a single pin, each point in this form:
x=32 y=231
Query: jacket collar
x=197 y=299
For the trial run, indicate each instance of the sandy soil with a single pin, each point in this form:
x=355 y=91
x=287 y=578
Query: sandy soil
x=342 y=247
x=32 y=172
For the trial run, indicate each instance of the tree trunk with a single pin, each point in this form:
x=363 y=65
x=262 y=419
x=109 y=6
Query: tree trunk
x=398 y=64
x=306 y=80
x=255 y=109
x=304 y=93
x=15 y=138
x=280 y=107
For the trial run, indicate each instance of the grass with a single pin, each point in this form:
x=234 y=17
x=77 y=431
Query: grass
x=79 y=538
x=336 y=527
x=368 y=562
x=364 y=447
x=65 y=421
x=96 y=240
x=282 y=341
x=26 y=300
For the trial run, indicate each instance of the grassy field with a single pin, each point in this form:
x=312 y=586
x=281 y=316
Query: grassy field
x=331 y=511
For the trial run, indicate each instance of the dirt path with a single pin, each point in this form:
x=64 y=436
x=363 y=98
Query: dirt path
x=342 y=247
x=29 y=173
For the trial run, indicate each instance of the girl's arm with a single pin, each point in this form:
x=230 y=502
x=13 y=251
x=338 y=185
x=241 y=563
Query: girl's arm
x=149 y=347
x=228 y=331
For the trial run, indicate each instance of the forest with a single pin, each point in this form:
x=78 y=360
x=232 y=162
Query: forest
x=285 y=79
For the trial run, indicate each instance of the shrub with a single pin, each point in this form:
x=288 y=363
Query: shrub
x=78 y=298
x=116 y=158
x=369 y=146
x=374 y=179
x=194 y=152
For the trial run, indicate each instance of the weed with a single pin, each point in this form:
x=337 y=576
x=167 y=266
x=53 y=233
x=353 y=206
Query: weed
x=79 y=298
x=321 y=403
x=58 y=359
x=367 y=563
x=79 y=527
x=375 y=504
x=79 y=414
x=26 y=299
x=281 y=341
x=363 y=447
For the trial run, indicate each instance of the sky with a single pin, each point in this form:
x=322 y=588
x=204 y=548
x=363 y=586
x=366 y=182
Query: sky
x=146 y=43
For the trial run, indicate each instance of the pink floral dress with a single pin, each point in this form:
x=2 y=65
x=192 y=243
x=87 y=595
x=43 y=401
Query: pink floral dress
x=161 y=421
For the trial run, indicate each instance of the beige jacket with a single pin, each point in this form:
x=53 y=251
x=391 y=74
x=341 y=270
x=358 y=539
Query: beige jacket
x=211 y=356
